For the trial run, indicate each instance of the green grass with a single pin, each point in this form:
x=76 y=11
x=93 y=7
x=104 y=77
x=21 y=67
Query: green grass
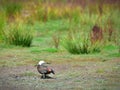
x=114 y=55
x=82 y=22
x=39 y=50
x=110 y=47
x=111 y=50
x=38 y=39
x=76 y=43
x=19 y=56
x=50 y=50
x=2 y=24
x=52 y=25
x=28 y=73
x=35 y=50
x=17 y=35
x=100 y=71
x=12 y=8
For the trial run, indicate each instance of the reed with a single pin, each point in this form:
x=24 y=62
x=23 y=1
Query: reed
x=12 y=8
x=18 y=35
x=77 y=43
x=2 y=25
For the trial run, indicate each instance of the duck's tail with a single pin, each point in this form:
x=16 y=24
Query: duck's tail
x=52 y=71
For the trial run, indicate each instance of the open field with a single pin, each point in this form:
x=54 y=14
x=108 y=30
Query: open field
x=73 y=72
x=80 y=38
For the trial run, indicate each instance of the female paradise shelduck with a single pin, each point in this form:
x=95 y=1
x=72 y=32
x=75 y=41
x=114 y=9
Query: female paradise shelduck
x=44 y=69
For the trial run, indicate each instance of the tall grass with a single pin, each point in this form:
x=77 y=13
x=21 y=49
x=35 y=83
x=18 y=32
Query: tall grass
x=56 y=40
x=109 y=22
x=17 y=35
x=45 y=12
x=12 y=8
x=2 y=25
x=116 y=24
x=77 y=43
x=105 y=16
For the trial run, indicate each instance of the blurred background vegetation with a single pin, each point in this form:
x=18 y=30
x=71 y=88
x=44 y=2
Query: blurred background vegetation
x=76 y=26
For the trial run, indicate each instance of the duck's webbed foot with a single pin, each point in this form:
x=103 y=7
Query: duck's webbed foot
x=44 y=76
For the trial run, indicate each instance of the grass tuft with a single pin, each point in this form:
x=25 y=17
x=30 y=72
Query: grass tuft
x=78 y=44
x=18 y=35
x=12 y=8
x=2 y=25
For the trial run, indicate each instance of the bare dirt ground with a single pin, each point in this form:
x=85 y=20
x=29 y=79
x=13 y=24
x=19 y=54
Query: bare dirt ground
x=80 y=75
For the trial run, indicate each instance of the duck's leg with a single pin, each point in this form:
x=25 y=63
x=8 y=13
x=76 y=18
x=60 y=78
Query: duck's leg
x=44 y=76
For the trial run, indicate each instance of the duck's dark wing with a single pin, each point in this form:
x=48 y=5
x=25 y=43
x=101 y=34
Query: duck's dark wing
x=42 y=69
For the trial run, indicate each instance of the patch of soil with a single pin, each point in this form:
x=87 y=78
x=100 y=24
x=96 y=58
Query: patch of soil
x=69 y=76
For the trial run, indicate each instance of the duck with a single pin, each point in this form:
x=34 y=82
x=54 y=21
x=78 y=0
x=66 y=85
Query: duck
x=43 y=69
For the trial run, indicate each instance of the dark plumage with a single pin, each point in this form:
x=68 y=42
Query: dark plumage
x=44 y=69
